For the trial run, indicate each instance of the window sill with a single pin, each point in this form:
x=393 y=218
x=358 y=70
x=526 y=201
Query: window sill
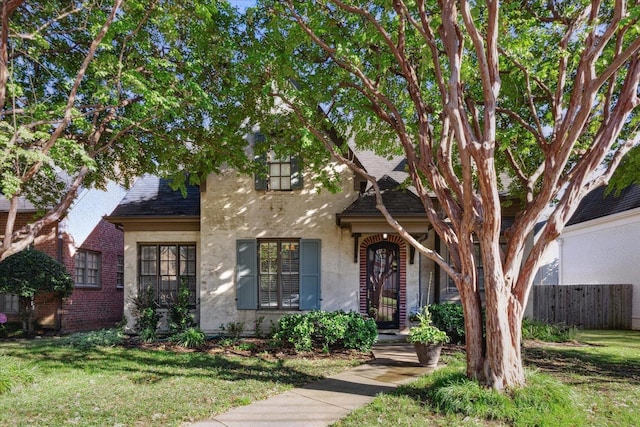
x=88 y=287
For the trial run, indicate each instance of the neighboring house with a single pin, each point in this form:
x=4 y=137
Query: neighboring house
x=252 y=249
x=601 y=243
x=92 y=251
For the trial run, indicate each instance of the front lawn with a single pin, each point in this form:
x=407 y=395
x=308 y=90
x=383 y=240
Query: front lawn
x=52 y=385
x=594 y=381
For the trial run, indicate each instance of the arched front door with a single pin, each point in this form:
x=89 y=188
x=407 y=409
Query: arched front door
x=383 y=279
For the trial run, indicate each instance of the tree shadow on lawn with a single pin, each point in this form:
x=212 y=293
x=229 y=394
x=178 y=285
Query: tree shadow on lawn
x=598 y=367
x=150 y=366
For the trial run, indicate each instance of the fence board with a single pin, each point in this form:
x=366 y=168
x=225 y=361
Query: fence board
x=584 y=306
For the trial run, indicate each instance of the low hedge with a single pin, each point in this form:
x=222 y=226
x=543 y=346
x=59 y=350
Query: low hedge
x=321 y=330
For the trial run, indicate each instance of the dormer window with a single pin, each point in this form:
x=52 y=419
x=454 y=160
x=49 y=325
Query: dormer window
x=279 y=171
x=276 y=172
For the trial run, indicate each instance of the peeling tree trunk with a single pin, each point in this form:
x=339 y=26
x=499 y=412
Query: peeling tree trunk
x=473 y=325
x=503 y=365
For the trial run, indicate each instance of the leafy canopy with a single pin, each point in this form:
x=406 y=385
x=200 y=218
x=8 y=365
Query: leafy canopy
x=29 y=272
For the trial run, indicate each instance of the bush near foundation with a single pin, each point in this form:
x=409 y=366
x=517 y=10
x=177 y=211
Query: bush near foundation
x=326 y=331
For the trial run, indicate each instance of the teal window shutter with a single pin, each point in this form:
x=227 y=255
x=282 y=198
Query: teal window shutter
x=247 y=274
x=296 y=173
x=310 y=274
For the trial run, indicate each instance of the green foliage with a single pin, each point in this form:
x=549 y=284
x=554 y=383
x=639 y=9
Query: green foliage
x=543 y=402
x=180 y=316
x=162 y=84
x=189 y=338
x=13 y=373
x=449 y=318
x=11 y=329
x=258 y=332
x=145 y=310
x=29 y=272
x=538 y=330
x=232 y=329
x=425 y=332
x=325 y=330
x=91 y=339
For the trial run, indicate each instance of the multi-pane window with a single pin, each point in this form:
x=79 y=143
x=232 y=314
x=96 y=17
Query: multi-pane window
x=164 y=267
x=451 y=286
x=279 y=273
x=279 y=172
x=87 y=268
x=120 y=271
x=9 y=303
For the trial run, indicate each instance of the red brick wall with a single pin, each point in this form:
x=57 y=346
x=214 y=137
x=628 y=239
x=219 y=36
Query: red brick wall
x=86 y=308
x=100 y=307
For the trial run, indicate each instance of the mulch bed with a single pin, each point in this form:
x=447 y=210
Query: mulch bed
x=250 y=347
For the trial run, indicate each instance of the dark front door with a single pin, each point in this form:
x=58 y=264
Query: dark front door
x=383 y=279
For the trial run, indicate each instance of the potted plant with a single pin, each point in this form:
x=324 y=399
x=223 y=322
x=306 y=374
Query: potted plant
x=427 y=339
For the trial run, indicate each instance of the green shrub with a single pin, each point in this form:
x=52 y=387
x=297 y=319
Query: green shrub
x=325 y=330
x=448 y=317
x=232 y=330
x=180 y=316
x=11 y=330
x=538 y=330
x=13 y=373
x=361 y=333
x=91 y=339
x=190 y=338
x=258 y=332
x=544 y=401
x=146 y=314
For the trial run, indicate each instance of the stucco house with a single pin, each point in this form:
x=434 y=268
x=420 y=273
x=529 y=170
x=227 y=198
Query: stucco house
x=601 y=243
x=255 y=248
x=92 y=251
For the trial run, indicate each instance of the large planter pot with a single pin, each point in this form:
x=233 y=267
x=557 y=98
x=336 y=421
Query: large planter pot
x=428 y=354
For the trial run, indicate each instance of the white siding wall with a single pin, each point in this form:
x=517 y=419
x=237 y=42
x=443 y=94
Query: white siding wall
x=604 y=250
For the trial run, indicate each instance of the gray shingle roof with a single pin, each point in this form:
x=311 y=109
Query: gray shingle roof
x=398 y=201
x=152 y=196
x=596 y=204
x=23 y=205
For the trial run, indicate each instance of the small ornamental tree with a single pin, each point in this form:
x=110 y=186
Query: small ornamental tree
x=32 y=272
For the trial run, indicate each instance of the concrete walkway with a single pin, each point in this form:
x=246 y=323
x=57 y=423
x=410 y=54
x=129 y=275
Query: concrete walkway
x=324 y=402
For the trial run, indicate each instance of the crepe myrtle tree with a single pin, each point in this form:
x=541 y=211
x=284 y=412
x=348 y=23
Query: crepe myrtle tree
x=94 y=90
x=28 y=273
x=538 y=99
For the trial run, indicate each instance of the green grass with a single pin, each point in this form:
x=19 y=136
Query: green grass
x=58 y=385
x=595 y=381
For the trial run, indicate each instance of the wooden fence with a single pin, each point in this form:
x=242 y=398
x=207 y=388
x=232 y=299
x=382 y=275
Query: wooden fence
x=584 y=306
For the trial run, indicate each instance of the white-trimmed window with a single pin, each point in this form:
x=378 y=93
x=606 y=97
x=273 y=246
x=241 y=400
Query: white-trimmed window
x=87 y=268
x=120 y=272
